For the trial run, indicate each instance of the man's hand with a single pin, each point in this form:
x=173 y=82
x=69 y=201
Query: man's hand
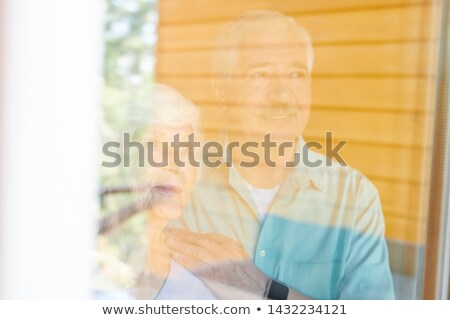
x=220 y=262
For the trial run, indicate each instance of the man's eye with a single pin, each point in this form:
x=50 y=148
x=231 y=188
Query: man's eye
x=300 y=74
x=260 y=74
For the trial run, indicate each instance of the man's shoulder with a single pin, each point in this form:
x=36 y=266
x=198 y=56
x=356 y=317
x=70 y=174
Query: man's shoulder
x=332 y=175
x=354 y=196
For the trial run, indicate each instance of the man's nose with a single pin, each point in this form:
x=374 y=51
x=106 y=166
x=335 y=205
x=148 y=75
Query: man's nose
x=279 y=91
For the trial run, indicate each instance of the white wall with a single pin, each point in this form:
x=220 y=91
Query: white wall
x=48 y=151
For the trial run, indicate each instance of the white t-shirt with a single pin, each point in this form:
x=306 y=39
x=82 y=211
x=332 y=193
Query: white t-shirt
x=262 y=198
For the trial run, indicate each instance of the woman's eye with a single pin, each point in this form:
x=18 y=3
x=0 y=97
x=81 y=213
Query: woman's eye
x=155 y=144
x=184 y=151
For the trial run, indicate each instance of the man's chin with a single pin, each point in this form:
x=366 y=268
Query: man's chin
x=283 y=131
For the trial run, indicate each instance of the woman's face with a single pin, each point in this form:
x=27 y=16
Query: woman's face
x=170 y=181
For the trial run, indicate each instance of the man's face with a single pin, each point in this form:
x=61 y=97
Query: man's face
x=270 y=91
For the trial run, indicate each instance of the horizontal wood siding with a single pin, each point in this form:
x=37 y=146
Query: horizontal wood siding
x=371 y=84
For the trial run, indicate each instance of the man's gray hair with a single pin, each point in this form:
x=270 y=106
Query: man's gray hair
x=233 y=34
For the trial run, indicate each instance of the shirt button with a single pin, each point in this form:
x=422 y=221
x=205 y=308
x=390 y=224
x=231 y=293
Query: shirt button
x=262 y=253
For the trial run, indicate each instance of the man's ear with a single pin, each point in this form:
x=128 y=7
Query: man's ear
x=218 y=90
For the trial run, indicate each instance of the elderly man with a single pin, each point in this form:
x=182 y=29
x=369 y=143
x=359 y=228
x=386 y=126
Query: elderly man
x=270 y=229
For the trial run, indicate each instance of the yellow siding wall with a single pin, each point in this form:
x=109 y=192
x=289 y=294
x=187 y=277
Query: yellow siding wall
x=371 y=83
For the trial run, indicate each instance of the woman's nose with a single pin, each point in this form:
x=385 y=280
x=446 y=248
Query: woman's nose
x=176 y=161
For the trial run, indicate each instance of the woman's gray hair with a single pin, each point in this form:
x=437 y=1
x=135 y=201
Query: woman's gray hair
x=161 y=104
x=233 y=34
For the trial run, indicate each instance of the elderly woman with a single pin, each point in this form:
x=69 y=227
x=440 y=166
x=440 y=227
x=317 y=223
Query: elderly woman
x=164 y=183
x=162 y=176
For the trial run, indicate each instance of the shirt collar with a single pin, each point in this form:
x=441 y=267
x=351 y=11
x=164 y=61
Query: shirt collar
x=302 y=175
